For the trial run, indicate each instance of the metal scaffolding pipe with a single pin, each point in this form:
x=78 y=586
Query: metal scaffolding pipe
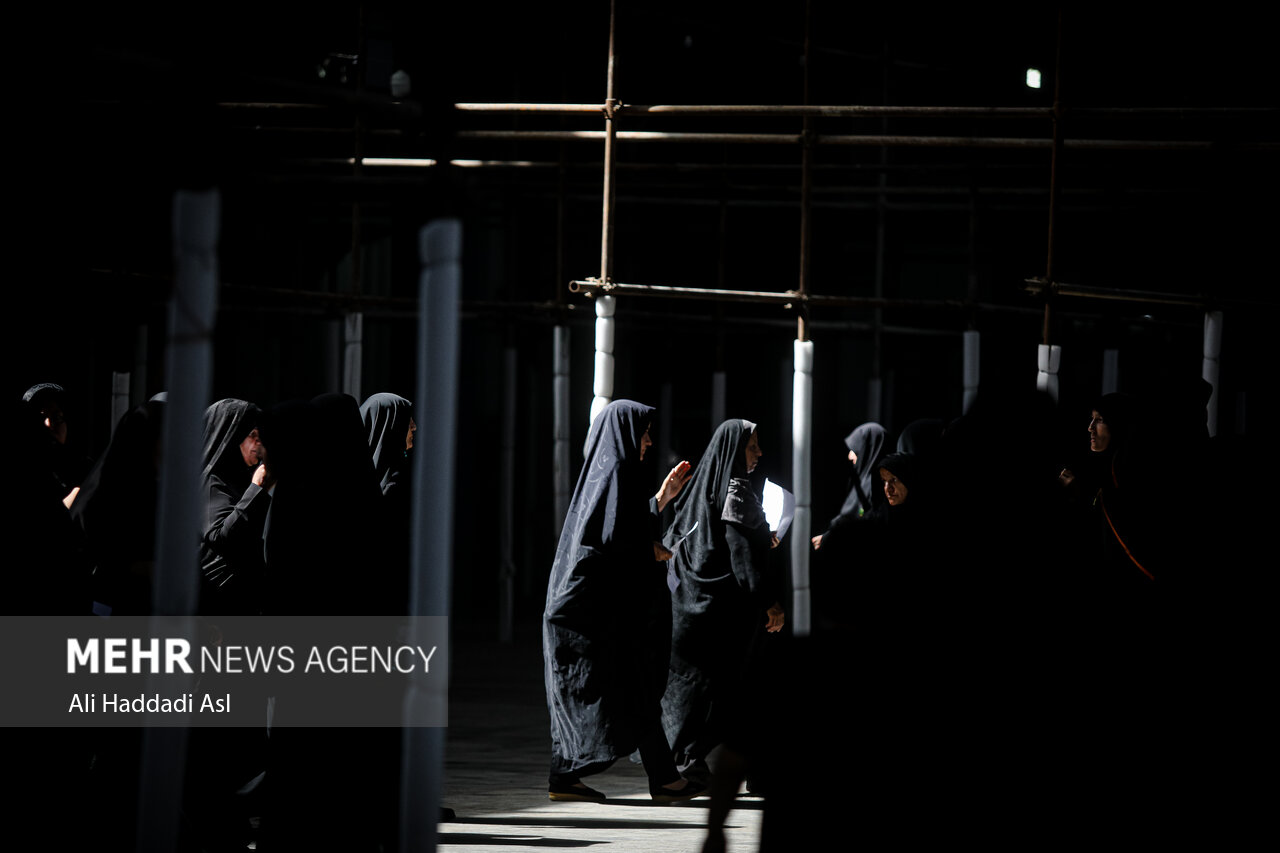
x=867 y=140
x=507 y=510
x=857 y=111
x=1036 y=285
x=971 y=368
x=603 y=381
x=786 y=297
x=1046 y=330
x=561 y=465
x=353 y=353
x=1211 y=365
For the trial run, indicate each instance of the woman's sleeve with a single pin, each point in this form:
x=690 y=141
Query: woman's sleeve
x=230 y=523
x=749 y=558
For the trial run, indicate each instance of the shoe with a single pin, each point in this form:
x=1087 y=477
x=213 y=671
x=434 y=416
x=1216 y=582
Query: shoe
x=564 y=793
x=666 y=795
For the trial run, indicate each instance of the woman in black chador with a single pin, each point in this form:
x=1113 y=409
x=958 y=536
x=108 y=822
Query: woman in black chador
x=389 y=428
x=722 y=592
x=866 y=446
x=603 y=657
x=237 y=499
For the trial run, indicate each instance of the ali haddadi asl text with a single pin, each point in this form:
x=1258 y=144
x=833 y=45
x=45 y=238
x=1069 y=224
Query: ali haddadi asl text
x=114 y=703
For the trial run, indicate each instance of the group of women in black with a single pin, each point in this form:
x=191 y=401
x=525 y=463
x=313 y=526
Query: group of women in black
x=646 y=632
x=306 y=513
x=988 y=599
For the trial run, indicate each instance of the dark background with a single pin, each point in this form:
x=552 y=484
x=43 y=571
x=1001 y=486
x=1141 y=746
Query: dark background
x=114 y=111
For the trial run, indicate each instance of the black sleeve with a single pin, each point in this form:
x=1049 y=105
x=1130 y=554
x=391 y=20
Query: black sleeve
x=749 y=557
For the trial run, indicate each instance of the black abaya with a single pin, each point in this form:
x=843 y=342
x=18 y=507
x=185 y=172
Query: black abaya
x=231 y=552
x=722 y=589
x=597 y=639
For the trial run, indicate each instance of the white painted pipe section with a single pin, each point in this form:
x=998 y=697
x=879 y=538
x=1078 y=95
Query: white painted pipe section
x=119 y=399
x=561 y=473
x=1210 y=369
x=1110 y=371
x=717 y=399
x=602 y=385
x=972 y=349
x=801 y=456
x=174 y=589
x=506 y=512
x=352 y=353
x=1048 y=358
x=422 y=766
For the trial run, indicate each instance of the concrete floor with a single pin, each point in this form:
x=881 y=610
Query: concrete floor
x=497 y=751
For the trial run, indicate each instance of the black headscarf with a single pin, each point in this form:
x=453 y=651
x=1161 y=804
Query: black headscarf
x=226 y=424
x=231 y=553
x=608 y=512
x=718 y=491
x=386 y=418
x=865 y=494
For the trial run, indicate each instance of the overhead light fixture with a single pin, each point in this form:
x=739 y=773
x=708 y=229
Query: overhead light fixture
x=1033 y=78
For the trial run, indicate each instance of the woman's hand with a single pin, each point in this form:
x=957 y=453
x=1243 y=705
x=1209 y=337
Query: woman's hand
x=816 y=541
x=774 y=541
x=672 y=485
x=660 y=553
x=777 y=618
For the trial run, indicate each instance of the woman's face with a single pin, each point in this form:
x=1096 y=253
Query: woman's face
x=251 y=449
x=753 y=451
x=895 y=491
x=408 y=439
x=1099 y=435
x=645 y=443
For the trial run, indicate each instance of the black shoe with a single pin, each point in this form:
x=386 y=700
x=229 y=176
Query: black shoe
x=565 y=792
x=667 y=795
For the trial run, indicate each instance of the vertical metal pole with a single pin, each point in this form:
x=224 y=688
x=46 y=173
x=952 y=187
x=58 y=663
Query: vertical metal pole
x=188 y=376
x=352 y=353
x=1053 y=185
x=806 y=190
x=802 y=392
x=1210 y=368
x=422 y=765
x=666 y=409
x=610 y=132
x=718 y=405
x=604 y=304
x=801 y=455
x=875 y=388
x=506 y=512
x=561 y=485
x=1110 y=371
x=560 y=426
x=972 y=372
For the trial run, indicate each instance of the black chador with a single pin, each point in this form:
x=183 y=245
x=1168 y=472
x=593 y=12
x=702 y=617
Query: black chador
x=721 y=591
x=603 y=630
x=231 y=556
